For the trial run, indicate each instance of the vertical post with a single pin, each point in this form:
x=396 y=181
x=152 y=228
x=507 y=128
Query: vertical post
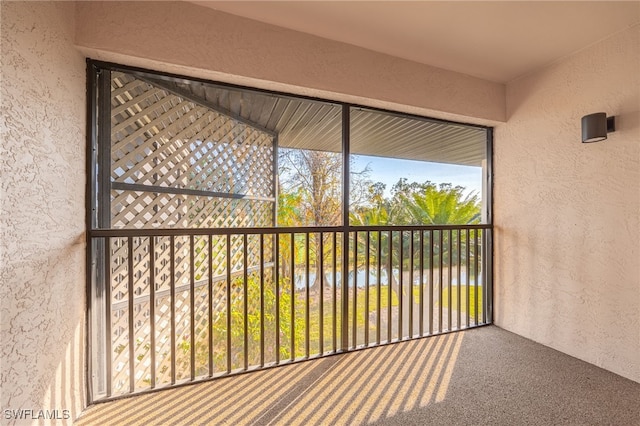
x=261 y=272
x=229 y=289
x=276 y=252
x=346 y=134
x=421 y=301
x=107 y=296
x=483 y=250
x=130 y=295
x=421 y=289
x=431 y=281
x=488 y=258
x=440 y=278
x=104 y=150
x=354 y=324
x=389 y=286
x=400 y=286
x=152 y=309
x=245 y=300
x=488 y=253
x=210 y=305
x=378 y=296
x=485 y=207
x=450 y=276
x=192 y=305
x=411 y=285
x=100 y=182
x=487 y=169
x=172 y=268
x=94 y=265
x=335 y=292
x=306 y=294
x=468 y=274
x=459 y=283
x=366 y=291
x=475 y=275
x=275 y=180
x=321 y=299
x=293 y=298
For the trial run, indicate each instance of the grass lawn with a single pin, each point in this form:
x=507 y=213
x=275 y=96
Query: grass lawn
x=314 y=318
x=463 y=292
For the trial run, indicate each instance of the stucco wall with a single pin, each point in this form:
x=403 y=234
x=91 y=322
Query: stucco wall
x=42 y=163
x=567 y=214
x=206 y=43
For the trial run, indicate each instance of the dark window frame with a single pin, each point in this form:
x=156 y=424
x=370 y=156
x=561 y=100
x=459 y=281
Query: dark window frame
x=98 y=221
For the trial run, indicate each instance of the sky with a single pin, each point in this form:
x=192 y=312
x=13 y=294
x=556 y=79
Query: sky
x=390 y=170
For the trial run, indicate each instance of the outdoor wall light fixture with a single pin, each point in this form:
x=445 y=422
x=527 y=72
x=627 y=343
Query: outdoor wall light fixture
x=596 y=126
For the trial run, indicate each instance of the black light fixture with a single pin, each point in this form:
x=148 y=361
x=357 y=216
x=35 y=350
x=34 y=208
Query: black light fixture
x=596 y=126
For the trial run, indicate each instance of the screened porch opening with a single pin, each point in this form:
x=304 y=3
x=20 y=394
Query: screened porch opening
x=234 y=229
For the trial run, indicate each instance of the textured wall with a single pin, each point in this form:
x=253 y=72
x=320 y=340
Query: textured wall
x=567 y=214
x=42 y=163
x=274 y=58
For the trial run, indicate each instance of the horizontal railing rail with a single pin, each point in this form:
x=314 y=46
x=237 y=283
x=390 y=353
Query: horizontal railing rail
x=181 y=305
x=166 y=232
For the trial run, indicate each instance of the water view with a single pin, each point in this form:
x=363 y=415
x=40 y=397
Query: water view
x=300 y=279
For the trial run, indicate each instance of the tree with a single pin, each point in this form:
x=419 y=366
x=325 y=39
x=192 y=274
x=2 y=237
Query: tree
x=316 y=179
x=430 y=204
x=416 y=203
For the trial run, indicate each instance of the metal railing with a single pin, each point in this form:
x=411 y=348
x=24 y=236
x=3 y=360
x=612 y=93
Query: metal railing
x=180 y=305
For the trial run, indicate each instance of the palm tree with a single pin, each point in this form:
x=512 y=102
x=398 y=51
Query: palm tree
x=444 y=204
x=419 y=204
x=441 y=204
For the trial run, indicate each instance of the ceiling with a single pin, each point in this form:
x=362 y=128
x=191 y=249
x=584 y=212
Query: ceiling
x=314 y=125
x=497 y=41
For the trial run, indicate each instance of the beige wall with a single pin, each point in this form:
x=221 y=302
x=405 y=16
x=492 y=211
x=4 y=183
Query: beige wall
x=567 y=214
x=42 y=163
x=207 y=43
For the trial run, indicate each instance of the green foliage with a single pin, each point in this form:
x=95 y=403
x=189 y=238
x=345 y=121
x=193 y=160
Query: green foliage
x=376 y=215
x=418 y=204
x=310 y=194
x=428 y=204
x=219 y=325
x=289 y=211
x=254 y=319
x=314 y=177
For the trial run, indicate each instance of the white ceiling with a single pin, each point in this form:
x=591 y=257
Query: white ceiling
x=497 y=41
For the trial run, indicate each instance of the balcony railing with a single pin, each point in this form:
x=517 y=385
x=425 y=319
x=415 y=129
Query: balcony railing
x=180 y=305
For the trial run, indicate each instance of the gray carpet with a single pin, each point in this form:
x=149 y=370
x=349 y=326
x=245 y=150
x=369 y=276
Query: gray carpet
x=483 y=376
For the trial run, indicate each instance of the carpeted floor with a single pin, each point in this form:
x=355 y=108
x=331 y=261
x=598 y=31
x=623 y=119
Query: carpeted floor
x=483 y=376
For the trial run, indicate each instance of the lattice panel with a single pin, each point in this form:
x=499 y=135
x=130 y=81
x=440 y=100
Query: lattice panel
x=142 y=344
x=139 y=209
x=177 y=270
x=202 y=331
x=165 y=148
x=159 y=139
x=163 y=340
x=119 y=314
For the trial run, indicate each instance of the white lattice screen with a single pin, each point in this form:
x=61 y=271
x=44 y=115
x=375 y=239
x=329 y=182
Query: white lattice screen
x=185 y=287
x=175 y=163
x=178 y=164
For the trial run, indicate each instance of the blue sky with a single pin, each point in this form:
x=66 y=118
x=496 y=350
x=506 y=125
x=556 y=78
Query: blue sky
x=389 y=170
